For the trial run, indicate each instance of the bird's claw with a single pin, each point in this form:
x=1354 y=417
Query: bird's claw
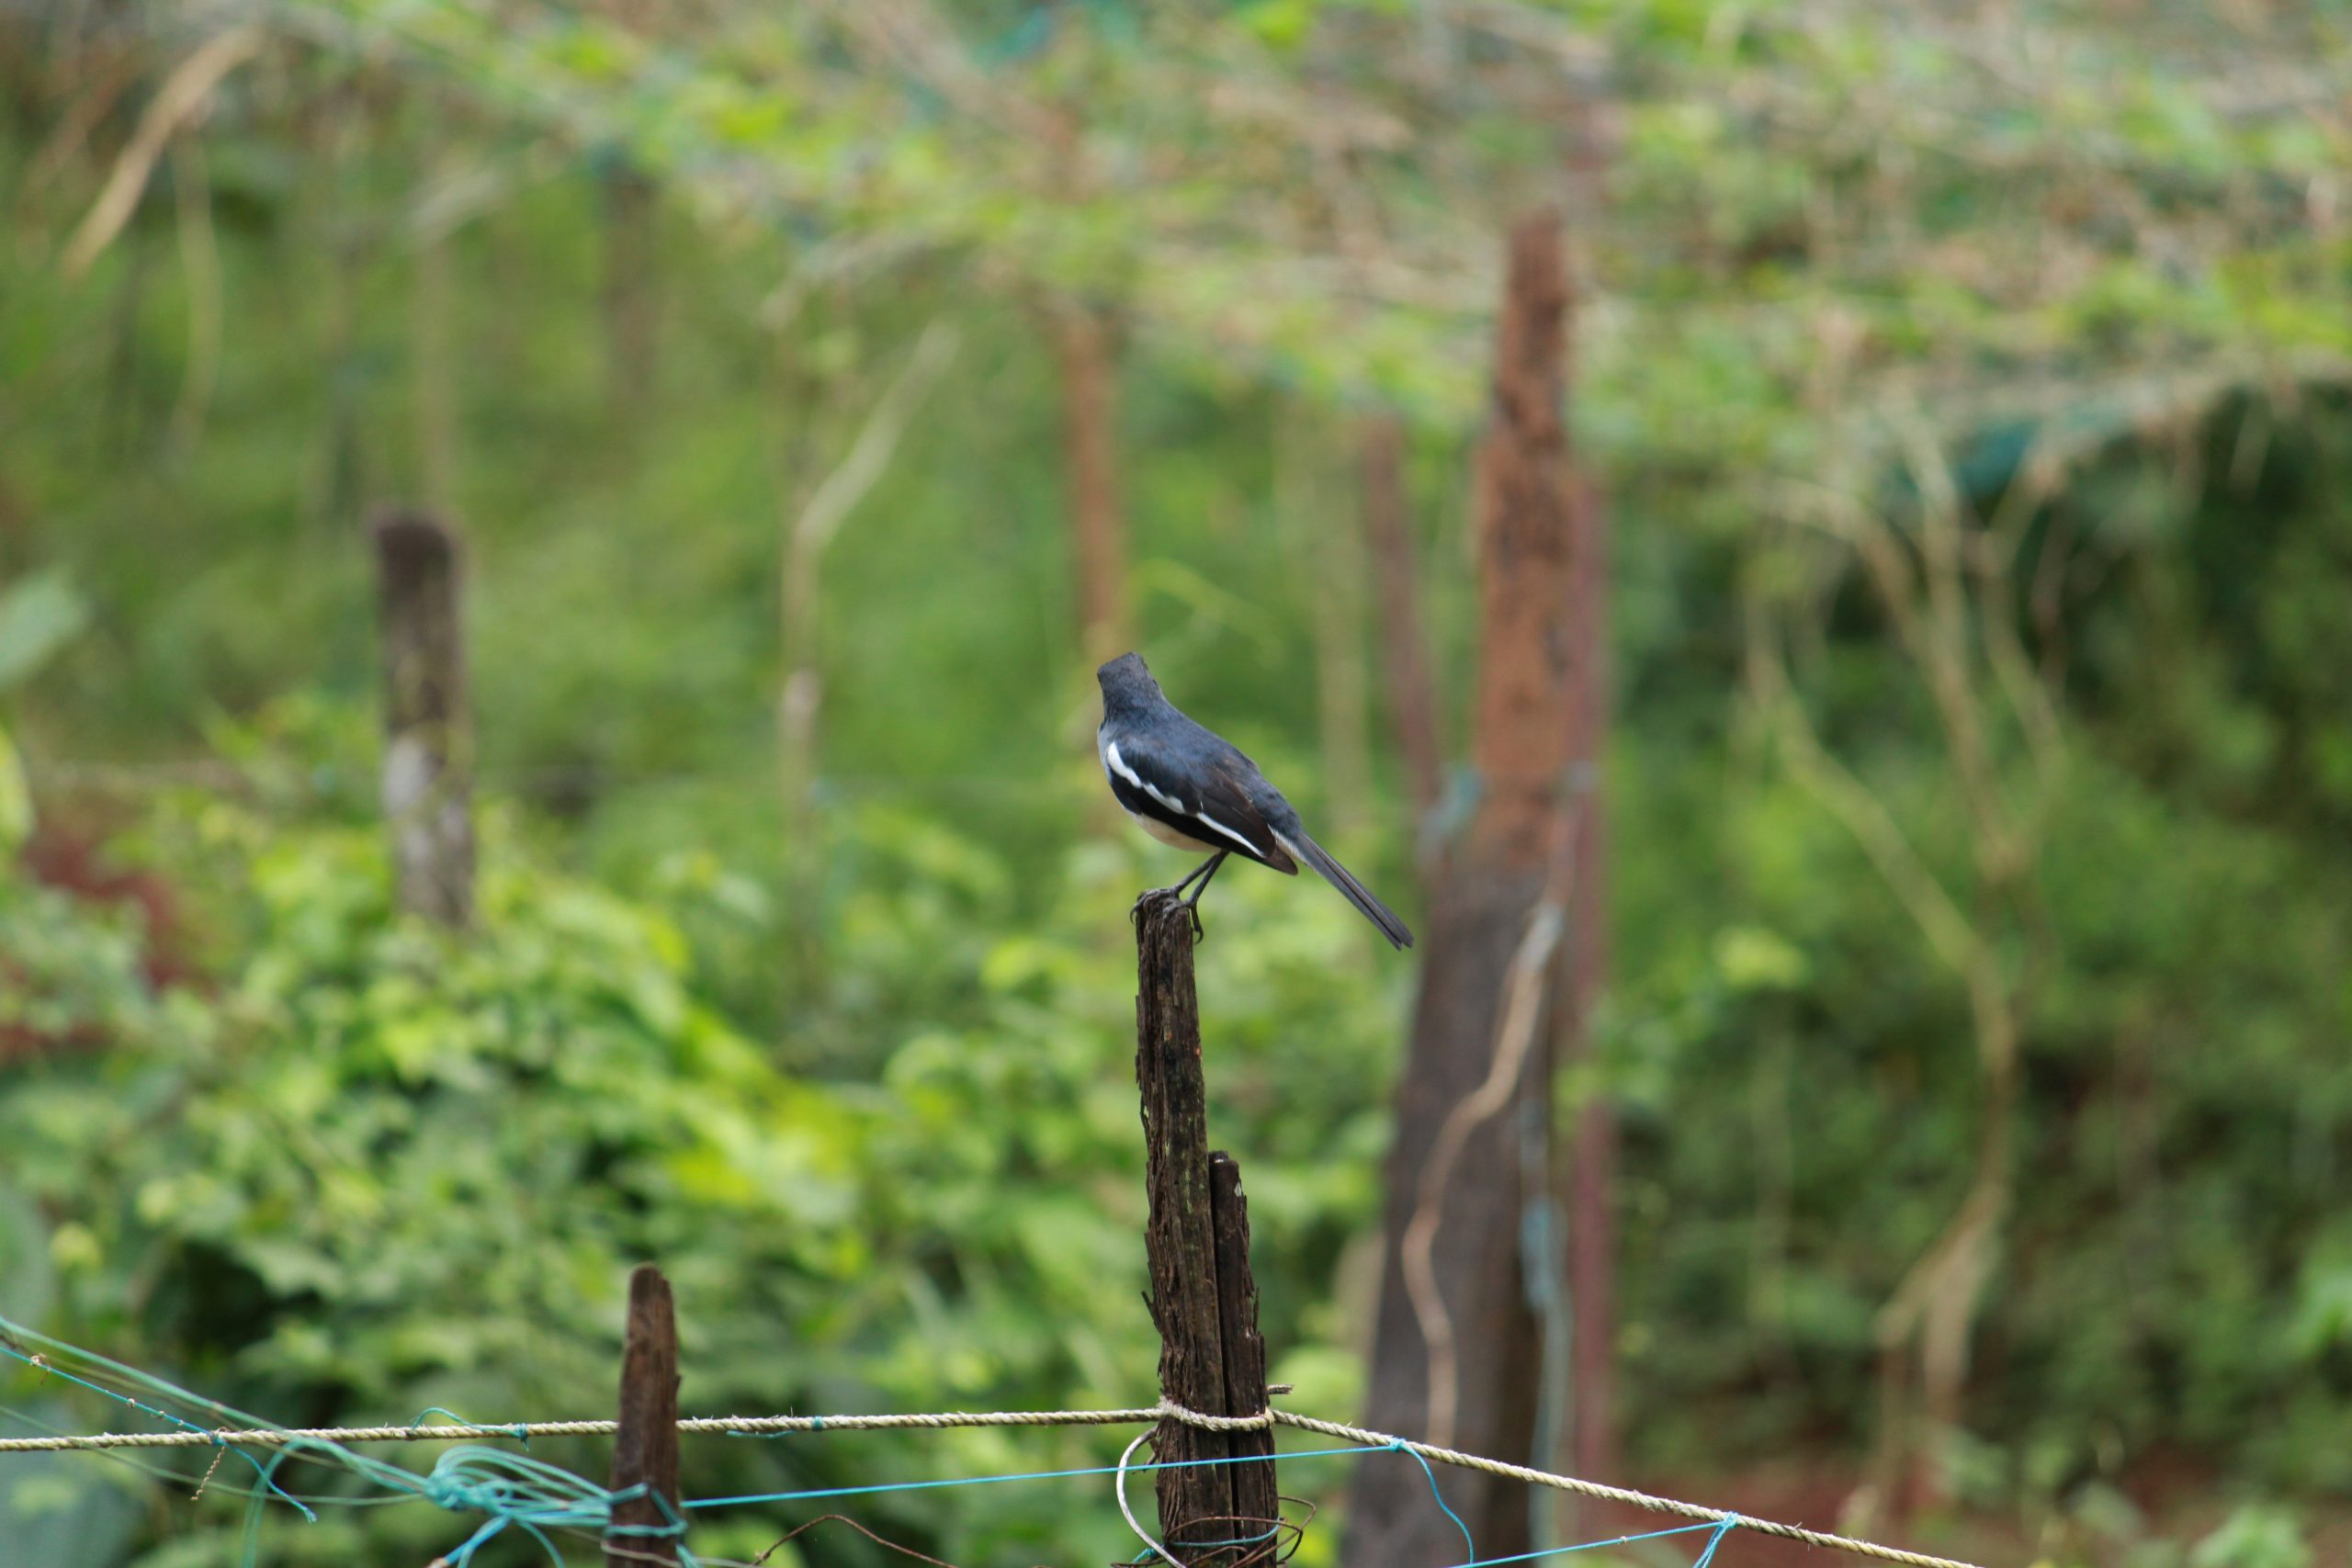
x=1191 y=907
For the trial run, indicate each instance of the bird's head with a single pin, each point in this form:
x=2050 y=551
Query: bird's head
x=1127 y=686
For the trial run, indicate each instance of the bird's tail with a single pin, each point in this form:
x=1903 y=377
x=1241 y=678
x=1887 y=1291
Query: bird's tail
x=1339 y=877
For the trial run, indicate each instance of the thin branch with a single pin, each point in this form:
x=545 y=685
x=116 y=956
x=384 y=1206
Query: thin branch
x=1525 y=984
x=181 y=99
x=200 y=261
x=843 y=488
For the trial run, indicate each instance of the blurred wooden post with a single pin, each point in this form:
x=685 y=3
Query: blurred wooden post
x=1257 y=1504
x=1404 y=647
x=645 y=1451
x=427 y=747
x=1592 y=1164
x=1085 y=343
x=1457 y=1348
x=630 y=295
x=1204 y=1300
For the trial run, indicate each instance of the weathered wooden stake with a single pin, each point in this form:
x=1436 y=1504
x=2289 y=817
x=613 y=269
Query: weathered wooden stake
x=427 y=749
x=1457 y=1348
x=1404 y=641
x=1087 y=342
x=645 y=1451
x=1257 y=1504
x=1204 y=1300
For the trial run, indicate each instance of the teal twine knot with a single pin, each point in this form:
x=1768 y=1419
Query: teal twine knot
x=521 y=1429
x=515 y=1489
x=1729 y=1523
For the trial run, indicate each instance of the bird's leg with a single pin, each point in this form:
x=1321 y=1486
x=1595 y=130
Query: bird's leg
x=1198 y=873
x=1194 y=875
x=1205 y=872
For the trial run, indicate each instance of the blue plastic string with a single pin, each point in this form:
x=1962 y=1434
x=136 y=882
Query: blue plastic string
x=514 y=1489
x=1427 y=1473
x=1261 y=1536
x=268 y=1481
x=520 y=1491
x=1025 y=1475
x=1467 y=1544
x=1716 y=1540
x=521 y=1430
x=1592 y=1546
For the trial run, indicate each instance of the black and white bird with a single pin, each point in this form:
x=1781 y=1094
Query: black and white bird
x=1189 y=787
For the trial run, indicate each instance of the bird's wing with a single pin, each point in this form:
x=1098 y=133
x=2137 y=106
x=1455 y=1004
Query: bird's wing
x=1208 y=791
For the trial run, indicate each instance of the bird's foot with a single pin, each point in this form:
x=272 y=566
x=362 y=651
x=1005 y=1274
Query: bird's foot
x=1191 y=907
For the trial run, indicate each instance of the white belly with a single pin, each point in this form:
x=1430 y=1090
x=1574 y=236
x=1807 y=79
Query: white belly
x=1168 y=835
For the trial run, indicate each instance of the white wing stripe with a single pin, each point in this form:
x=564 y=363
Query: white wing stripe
x=1205 y=816
x=1118 y=765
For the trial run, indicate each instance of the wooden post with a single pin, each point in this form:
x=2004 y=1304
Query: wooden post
x=1458 y=1352
x=630 y=295
x=1085 y=341
x=1204 y=1300
x=427 y=749
x=645 y=1451
x=1592 y=1227
x=1404 y=645
x=1257 y=1504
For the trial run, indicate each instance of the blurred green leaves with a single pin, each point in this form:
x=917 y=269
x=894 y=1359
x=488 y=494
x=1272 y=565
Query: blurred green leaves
x=2253 y=1536
x=370 y=1166
x=38 y=614
x=350 y=1167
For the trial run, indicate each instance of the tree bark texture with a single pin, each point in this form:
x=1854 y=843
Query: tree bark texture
x=645 y=1450
x=1204 y=1300
x=1592 y=1162
x=630 y=295
x=1099 y=529
x=1322 y=551
x=1403 y=644
x=427 y=752
x=1257 y=1505
x=1457 y=1352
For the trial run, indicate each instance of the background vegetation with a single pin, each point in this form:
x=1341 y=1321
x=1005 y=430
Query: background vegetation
x=1966 y=388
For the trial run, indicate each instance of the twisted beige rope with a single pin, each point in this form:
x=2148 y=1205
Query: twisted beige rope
x=770 y=1425
x=1618 y=1494
x=740 y=1426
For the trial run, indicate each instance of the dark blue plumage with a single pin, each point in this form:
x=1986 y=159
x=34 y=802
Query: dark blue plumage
x=1188 y=787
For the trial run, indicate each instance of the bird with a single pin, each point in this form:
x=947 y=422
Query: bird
x=1188 y=787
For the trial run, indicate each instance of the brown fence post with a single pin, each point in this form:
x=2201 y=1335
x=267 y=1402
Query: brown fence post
x=1087 y=342
x=645 y=1451
x=1404 y=641
x=1204 y=1300
x=1458 y=1351
x=1257 y=1504
x=427 y=747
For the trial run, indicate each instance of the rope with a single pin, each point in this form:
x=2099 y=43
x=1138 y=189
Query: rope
x=772 y=1426
x=1128 y=1514
x=523 y=1431
x=1616 y=1493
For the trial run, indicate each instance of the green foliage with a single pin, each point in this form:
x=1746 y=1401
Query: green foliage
x=2254 y=1538
x=38 y=616
x=875 y=1120
x=373 y=1167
